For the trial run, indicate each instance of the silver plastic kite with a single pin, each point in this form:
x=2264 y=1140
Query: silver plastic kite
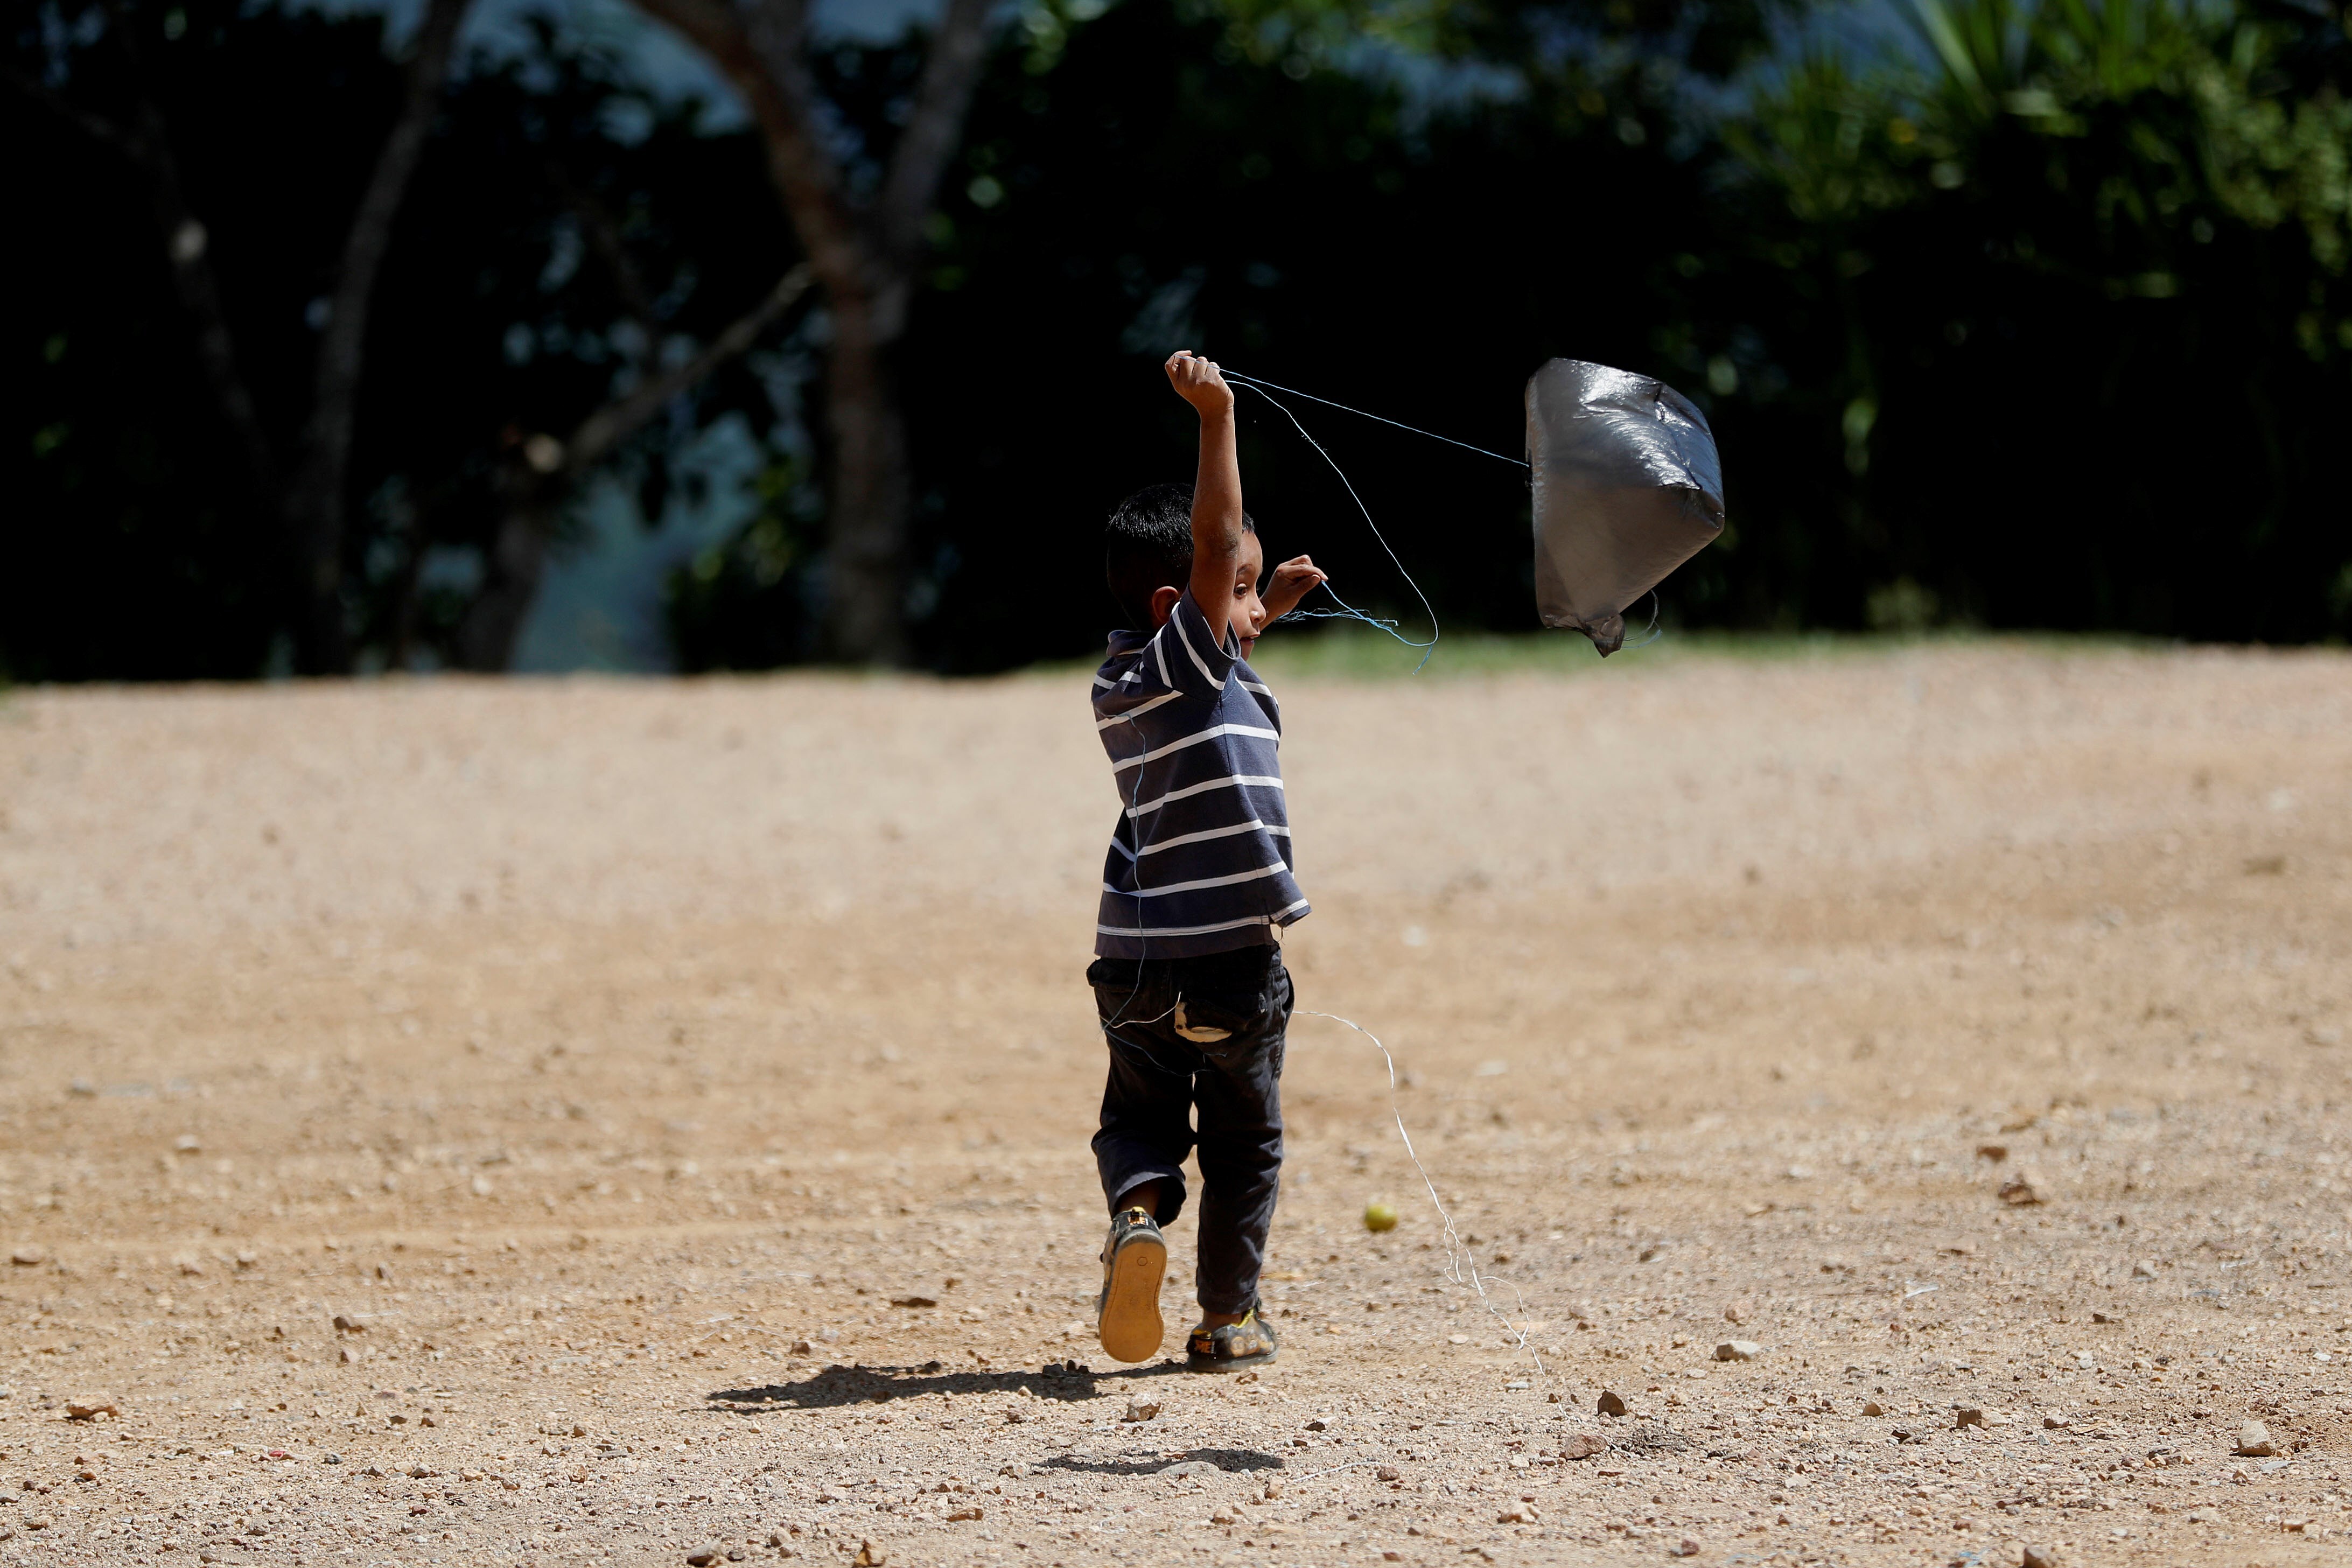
x=1627 y=488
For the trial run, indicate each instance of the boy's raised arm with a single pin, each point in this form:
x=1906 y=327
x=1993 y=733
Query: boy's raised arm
x=1217 y=489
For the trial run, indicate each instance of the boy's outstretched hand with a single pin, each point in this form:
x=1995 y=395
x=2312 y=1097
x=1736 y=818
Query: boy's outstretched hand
x=1198 y=382
x=1291 y=582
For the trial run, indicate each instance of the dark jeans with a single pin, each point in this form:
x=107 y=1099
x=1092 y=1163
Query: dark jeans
x=1159 y=1078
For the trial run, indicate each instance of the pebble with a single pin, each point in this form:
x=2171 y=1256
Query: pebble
x=1611 y=1403
x=1584 y=1446
x=1738 y=1311
x=868 y=1556
x=1738 y=1350
x=1685 y=1547
x=1872 y=1407
x=1320 y=1424
x=91 y=1407
x=2142 y=1270
x=27 y=1257
x=1968 y=1416
x=1138 y=1410
x=346 y=1324
x=1389 y=1473
x=1517 y=1513
x=2037 y=1557
x=2024 y=1187
x=2254 y=1441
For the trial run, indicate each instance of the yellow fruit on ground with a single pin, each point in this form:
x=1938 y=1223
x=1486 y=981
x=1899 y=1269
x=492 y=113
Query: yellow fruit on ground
x=1380 y=1217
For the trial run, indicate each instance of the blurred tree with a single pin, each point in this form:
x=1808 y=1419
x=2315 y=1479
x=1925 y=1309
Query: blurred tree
x=572 y=258
x=113 y=100
x=858 y=188
x=2055 y=327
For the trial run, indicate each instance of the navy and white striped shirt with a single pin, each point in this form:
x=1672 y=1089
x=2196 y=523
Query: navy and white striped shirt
x=1201 y=860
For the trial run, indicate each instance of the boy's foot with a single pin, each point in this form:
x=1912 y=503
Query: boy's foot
x=1126 y=1313
x=1234 y=1347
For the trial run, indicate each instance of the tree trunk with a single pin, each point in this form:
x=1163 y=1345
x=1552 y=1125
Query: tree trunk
x=315 y=495
x=866 y=588
x=536 y=495
x=517 y=560
x=865 y=253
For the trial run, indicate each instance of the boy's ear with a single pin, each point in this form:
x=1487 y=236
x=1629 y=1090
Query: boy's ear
x=1163 y=604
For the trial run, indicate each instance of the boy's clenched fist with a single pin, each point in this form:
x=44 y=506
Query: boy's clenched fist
x=1198 y=382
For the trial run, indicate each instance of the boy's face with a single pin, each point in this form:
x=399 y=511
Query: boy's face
x=1248 y=611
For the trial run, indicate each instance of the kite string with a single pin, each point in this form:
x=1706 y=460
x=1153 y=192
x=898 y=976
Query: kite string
x=1346 y=610
x=1460 y=1264
x=1255 y=384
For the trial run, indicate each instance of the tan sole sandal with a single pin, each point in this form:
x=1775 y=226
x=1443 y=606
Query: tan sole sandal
x=1126 y=1314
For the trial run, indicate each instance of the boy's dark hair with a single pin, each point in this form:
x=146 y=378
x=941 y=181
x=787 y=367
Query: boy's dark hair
x=1148 y=545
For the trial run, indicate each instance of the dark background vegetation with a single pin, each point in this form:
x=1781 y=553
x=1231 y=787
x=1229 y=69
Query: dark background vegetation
x=2025 y=318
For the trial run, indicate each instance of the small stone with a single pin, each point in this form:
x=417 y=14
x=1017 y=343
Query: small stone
x=2254 y=1441
x=352 y=1356
x=346 y=1324
x=2056 y=1423
x=2023 y=1188
x=1014 y=1417
x=1138 y=1410
x=702 y=1559
x=963 y=1514
x=1738 y=1311
x=912 y=1302
x=578 y=1430
x=91 y=1407
x=186 y=1143
x=2142 y=1270
x=27 y=1257
x=1968 y=1416
x=2037 y=1557
x=1872 y=1407
x=1996 y=1152
x=1738 y=1350
x=1685 y=1547
x=1611 y=1403
x=1517 y=1513
x=802 y=1347
x=1584 y=1446
x=868 y=1556
x=1387 y=1473
x=1273 y=1490
x=1320 y=1424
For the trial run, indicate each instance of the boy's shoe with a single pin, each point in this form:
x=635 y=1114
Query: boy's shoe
x=1235 y=1347
x=1126 y=1313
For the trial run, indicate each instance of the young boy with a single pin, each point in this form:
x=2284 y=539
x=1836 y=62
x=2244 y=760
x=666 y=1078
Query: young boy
x=1188 y=979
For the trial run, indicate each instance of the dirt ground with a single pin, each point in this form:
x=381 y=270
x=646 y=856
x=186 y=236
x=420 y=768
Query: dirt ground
x=616 y=1121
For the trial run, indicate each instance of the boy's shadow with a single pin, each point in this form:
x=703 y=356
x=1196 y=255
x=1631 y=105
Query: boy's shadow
x=838 y=1385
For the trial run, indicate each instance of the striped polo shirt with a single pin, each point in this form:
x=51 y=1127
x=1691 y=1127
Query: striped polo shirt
x=1201 y=860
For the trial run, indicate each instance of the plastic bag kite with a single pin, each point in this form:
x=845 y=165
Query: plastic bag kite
x=1627 y=488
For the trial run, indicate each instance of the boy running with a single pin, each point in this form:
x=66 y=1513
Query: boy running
x=1187 y=977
